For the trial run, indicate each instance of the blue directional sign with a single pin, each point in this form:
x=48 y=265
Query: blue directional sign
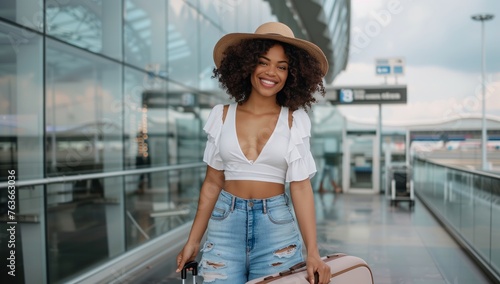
x=383 y=70
x=398 y=70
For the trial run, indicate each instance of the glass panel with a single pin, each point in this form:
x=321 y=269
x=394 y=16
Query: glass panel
x=21 y=103
x=188 y=135
x=459 y=200
x=95 y=25
x=27 y=264
x=209 y=36
x=470 y=205
x=361 y=150
x=482 y=189
x=84 y=112
x=145 y=35
x=28 y=13
x=328 y=7
x=172 y=203
x=85 y=225
x=146 y=127
x=463 y=217
x=183 y=46
x=495 y=224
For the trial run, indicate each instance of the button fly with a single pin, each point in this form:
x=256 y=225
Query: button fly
x=250 y=204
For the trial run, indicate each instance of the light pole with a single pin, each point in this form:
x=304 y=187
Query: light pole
x=484 y=161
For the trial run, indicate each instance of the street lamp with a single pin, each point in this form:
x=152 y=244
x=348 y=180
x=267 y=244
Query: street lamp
x=483 y=18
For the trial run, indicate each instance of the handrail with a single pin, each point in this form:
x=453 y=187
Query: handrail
x=63 y=179
x=436 y=195
x=477 y=172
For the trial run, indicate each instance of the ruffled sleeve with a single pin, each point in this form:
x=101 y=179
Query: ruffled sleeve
x=213 y=129
x=300 y=161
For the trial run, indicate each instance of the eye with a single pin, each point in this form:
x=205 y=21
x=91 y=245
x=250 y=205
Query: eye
x=262 y=63
x=283 y=68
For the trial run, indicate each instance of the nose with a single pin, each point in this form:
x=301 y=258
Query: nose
x=270 y=71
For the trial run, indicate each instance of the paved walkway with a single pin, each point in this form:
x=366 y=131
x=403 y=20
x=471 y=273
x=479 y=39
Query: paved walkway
x=400 y=245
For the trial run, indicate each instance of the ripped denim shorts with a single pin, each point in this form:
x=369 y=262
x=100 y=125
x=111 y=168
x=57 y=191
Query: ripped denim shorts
x=249 y=238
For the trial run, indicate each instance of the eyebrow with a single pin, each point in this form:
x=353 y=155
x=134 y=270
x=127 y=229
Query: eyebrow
x=282 y=61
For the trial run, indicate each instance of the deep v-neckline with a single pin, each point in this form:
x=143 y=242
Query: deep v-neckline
x=265 y=145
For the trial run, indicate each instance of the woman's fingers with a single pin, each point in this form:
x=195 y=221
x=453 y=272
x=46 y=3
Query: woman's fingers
x=180 y=263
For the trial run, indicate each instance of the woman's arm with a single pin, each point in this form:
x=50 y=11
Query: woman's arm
x=303 y=204
x=210 y=189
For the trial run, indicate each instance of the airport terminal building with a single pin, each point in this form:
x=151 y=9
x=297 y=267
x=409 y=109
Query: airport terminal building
x=101 y=116
x=102 y=108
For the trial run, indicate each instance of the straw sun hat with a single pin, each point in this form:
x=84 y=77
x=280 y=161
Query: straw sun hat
x=275 y=31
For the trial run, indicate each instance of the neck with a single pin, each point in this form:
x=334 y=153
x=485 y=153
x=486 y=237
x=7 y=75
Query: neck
x=261 y=104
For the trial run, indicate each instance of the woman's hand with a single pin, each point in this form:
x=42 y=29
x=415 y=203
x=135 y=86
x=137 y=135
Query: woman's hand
x=187 y=253
x=315 y=264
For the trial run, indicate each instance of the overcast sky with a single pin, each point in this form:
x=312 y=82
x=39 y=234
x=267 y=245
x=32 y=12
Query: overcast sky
x=441 y=46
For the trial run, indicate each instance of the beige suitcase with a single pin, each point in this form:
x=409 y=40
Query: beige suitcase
x=345 y=269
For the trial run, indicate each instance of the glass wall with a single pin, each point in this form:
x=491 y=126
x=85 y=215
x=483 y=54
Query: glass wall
x=327 y=129
x=468 y=202
x=98 y=101
x=337 y=15
x=21 y=102
x=93 y=25
x=85 y=225
x=28 y=13
x=84 y=125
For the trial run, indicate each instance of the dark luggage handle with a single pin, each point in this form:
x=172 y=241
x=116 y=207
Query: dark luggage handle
x=189 y=265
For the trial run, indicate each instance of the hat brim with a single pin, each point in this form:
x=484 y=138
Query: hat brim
x=235 y=38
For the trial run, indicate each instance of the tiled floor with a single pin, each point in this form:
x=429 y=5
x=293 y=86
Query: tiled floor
x=402 y=246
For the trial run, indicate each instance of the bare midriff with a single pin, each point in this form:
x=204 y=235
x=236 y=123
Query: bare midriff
x=250 y=189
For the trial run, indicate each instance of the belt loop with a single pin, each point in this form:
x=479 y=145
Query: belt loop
x=286 y=199
x=264 y=206
x=233 y=201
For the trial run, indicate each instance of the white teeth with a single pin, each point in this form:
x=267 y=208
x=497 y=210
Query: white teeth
x=267 y=82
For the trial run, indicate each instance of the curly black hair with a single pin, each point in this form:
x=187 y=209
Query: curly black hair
x=304 y=73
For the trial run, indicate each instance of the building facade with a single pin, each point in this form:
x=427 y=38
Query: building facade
x=102 y=105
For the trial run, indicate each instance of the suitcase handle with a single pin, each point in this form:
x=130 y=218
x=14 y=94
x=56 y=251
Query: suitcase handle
x=299 y=265
x=189 y=265
x=303 y=263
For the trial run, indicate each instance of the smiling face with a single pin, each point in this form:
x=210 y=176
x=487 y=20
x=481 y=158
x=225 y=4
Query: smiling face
x=271 y=72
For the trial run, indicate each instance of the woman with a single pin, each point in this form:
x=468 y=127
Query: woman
x=254 y=147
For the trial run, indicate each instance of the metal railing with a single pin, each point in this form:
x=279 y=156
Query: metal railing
x=70 y=178
x=467 y=203
x=70 y=225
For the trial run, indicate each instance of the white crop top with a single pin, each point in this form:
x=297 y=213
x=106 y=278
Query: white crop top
x=286 y=156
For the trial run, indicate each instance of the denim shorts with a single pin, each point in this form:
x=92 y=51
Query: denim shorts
x=249 y=238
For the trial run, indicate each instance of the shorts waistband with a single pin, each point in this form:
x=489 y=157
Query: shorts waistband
x=253 y=204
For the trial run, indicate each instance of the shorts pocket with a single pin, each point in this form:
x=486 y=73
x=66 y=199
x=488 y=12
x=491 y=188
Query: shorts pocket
x=221 y=211
x=280 y=215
